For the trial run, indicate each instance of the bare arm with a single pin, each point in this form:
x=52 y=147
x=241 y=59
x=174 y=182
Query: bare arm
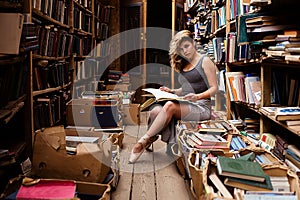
x=174 y=91
x=210 y=71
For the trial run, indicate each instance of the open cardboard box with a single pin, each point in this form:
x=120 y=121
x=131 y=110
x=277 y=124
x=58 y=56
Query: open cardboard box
x=197 y=187
x=92 y=162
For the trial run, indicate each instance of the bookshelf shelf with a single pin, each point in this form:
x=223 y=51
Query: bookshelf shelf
x=49 y=19
x=49 y=90
x=10 y=5
x=8 y=60
x=76 y=3
x=82 y=32
x=11 y=109
x=36 y=56
x=293 y=129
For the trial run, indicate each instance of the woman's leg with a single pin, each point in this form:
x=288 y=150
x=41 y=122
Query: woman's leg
x=154 y=111
x=164 y=116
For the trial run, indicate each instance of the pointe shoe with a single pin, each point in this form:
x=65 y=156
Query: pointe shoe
x=145 y=142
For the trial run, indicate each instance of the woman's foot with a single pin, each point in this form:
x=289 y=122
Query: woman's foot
x=143 y=144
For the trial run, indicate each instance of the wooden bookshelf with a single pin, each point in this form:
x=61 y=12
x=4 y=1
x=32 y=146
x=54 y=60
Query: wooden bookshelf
x=62 y=40
x=14 y=98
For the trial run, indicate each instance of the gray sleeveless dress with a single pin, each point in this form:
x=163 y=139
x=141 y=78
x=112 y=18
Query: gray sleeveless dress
x=193 y=81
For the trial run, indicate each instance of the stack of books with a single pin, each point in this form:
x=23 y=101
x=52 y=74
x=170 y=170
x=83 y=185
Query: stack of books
x=249 y=178
x=206 y=141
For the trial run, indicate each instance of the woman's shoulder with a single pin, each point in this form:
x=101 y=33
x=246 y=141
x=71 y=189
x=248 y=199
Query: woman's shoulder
x=205 y=59
x=202 y=58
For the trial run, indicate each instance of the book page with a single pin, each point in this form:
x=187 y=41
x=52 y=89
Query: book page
x=159 y=94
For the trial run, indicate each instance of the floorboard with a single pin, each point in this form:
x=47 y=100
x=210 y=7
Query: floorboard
x=153 y=176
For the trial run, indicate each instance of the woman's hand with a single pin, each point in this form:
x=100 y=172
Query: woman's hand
x=166 y=89
x=191 y=97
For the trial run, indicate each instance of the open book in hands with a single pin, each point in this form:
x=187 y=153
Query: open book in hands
x=160 y=96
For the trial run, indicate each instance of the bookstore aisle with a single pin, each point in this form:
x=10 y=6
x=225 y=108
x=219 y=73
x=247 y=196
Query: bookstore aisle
x=153 y=176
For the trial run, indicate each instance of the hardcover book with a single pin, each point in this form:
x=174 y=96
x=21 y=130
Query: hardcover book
x=160 y=96
x=48 y=189
x=287 y=113
x=219 y=185
x=268 y=110
x=211 y=139
x=242 y=169
x=249 y=185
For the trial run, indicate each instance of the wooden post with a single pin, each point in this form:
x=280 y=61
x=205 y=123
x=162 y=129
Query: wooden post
x=173 y=33
x=228 y=103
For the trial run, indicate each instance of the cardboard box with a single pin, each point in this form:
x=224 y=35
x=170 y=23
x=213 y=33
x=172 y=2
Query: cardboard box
x=93 y=189
x=118 y=87
x=50 y=160
x=196 y=173
x=105 y=115
x=10 y=33
x=79 y=112
x=131 y=114
x=93 y=112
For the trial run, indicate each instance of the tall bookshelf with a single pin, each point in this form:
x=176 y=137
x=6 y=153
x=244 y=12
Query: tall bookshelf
x=15 y=128
x=38 y=78
x=278 y=76
x=247 y=53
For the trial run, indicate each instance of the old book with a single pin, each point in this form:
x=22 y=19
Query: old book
x=248 y=184
x=287 y=113
x=240 y=169
x=266 y=195
x=292 y=33
x=160 y=96
x=210 y=139
x=268 y=110
x=293 y=122
x=219 y=185
x=270 y=28
x=249 y=157
x=217 y=131
x=281 y=141
x=73 y=141
x=48 y=189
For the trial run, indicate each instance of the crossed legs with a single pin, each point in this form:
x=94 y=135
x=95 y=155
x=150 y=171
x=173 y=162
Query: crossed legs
x=159 y=119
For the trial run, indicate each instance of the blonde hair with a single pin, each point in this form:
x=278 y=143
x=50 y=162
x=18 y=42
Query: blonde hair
x=176 y=61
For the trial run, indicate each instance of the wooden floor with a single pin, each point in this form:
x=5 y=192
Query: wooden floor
x=153 y=176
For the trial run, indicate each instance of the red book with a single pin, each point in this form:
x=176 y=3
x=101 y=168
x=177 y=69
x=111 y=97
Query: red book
x=48 y=189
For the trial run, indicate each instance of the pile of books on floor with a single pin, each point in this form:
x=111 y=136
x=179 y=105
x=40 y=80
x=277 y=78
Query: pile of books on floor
x=244 y=178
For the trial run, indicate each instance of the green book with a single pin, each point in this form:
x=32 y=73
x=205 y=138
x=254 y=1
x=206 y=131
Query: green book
x=249 y=185
x=239 y=168
x=249 y=156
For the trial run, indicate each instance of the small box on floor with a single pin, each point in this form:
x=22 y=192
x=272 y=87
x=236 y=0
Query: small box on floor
x=118 y=87
x=93 y=112
x=131 y=115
